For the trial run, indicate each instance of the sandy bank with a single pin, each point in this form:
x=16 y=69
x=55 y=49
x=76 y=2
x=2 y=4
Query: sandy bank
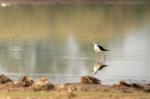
x=88 y=88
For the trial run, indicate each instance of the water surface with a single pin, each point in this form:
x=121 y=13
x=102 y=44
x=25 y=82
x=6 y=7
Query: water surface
x=56 y=41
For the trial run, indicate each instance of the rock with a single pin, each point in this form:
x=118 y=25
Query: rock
x=146 y=88
x=10 y=86
x=42 y=84
x=89 y=80
x=25 y=81
x=4 y=79
x=133 y=85
x=123 y=83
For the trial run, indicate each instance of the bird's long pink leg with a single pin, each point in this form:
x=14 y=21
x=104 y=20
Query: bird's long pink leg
x=104 y=57
x=98 y=60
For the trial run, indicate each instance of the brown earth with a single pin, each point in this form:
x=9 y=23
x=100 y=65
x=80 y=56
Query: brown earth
x=88 y=88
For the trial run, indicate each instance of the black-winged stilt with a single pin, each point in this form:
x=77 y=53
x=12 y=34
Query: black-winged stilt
x=100 y=49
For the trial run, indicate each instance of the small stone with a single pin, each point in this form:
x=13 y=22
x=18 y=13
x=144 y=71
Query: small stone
x=146 y=88
x=25 y=81
x=123 y=83
x=89 y=80
x=4 y=79
x=42 y=84
x=135 y=85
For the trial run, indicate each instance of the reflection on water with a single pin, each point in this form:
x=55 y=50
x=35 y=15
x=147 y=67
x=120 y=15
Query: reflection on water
x=56 y=41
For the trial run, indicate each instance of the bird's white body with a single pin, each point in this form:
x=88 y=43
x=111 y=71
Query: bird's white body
x=99 y=49
x=96 y=48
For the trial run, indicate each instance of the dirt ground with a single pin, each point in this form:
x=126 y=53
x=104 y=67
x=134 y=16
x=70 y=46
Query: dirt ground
x=88 y=88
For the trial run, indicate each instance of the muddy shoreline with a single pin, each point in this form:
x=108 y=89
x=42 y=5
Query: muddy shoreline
x=87 y=83
x=89 y=87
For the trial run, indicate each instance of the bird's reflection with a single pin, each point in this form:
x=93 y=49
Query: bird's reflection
x=98 y=66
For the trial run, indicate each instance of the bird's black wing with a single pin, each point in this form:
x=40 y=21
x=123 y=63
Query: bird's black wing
x=102 y=48
x=103 y=66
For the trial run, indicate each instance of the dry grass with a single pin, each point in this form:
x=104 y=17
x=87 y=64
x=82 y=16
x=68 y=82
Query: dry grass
x=74 y=95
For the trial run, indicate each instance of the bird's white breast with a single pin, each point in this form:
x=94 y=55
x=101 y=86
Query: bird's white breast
x=97 y=50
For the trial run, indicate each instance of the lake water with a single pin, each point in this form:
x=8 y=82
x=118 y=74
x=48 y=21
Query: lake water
x=56 y=41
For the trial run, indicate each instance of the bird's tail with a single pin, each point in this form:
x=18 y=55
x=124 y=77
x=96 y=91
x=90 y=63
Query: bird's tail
x=106 y=50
